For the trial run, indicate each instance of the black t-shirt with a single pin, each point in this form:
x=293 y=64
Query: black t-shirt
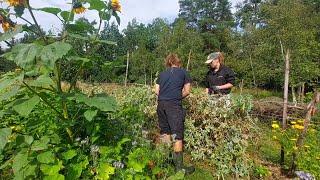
x=171 y=83
x=223 y=76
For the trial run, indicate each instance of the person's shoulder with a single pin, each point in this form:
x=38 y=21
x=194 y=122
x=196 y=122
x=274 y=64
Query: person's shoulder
x=226 y=68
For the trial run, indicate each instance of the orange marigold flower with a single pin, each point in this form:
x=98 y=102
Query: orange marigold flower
x=5 y=26
x=116 y=5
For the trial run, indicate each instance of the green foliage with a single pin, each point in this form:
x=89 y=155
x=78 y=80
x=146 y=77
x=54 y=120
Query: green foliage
x=4 y=136
x=260 y=171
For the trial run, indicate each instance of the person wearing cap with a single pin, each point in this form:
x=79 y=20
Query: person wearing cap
x=219 y=79
x=172 y=86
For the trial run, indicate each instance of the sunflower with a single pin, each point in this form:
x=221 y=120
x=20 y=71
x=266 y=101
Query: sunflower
x=78 y=8
x=5 y=26
x=115 y=4
x=15 y=2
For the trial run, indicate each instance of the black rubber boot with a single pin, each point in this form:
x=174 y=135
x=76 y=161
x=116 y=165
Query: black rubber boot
x=178 y=162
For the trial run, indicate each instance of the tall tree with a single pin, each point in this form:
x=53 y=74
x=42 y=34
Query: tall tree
x=212 y=18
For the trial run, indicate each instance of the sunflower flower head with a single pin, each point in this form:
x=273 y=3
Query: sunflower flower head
x=115 y=4
x=5 y=26
x=78 y=8
x=15 y=2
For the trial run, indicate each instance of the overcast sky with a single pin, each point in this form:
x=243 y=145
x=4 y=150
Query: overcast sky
x=143 y=10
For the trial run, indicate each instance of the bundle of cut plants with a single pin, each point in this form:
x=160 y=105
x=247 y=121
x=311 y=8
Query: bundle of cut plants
x=218 y=129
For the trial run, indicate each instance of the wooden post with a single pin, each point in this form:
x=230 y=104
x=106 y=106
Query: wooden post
x=127 y=68
x=285 y=100
x=189 y=58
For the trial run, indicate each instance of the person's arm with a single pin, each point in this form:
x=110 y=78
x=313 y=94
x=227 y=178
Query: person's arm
x=230 y=78
x=225 y=86
x=186 y=90
x=157 y=89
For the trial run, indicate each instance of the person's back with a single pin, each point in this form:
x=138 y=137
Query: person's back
x=171 y=83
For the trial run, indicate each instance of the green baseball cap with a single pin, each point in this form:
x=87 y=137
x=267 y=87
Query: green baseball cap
x=212 y=56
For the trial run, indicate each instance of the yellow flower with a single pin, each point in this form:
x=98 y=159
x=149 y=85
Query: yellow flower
x=293 y=122
x=5 y=26
x=275 y=126
x=15 y=2
x=116 y=5
x=301 y=121
x=79 y=10
x=299 y=127
x=293 y=139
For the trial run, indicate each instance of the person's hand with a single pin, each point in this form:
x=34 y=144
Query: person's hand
x=215 y=88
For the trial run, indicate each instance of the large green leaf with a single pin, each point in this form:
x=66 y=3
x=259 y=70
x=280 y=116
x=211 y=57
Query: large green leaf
x=74 y=171
x=8 y=85
x=105 y=171
x=69 y=154
x=65 y=15
x=40 y=144
x=97 y=5
x=24 y=108
x=12 y=91
x=4 y=136
x=52 y=52
x=46 y=157
x=51 y=169
x=24 y=140
x=54 y=177
x=11 y=33
x=30 y=170
x=42 y=81
x=20 y=161
x=77 y=36
x=90 y=114
x=51 y=10
x=100 y=101
x=24 y=55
